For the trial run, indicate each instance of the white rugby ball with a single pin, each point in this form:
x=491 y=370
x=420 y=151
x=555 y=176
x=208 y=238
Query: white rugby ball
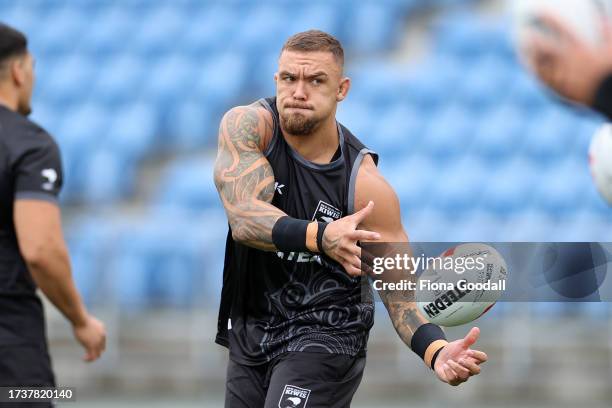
x=600 y=161
x=458 y=295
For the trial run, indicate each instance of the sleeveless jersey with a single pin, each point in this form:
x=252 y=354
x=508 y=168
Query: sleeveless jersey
x=275 y=302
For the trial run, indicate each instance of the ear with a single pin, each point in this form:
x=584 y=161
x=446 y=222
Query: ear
x=17 y=71
x=343 y=90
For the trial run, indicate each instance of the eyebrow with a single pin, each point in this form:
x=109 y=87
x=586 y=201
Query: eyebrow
x=315 y=75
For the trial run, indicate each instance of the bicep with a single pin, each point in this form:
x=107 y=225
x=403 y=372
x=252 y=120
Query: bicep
x=38 y=224
x=386 y=217
x=242 y=172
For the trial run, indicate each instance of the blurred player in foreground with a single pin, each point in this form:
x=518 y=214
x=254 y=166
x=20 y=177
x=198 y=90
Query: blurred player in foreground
x=574 y=68
x=300 y=191
x=32 y=248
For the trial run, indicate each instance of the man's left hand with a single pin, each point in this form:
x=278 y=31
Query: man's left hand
x=457 y=362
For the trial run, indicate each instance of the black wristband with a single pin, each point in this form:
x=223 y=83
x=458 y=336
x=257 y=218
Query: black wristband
x=320 y=231
x=603 y=97
x=424 y=336
x=435 y=357
x=289 y=234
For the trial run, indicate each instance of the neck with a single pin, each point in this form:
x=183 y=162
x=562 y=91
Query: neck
x=318 y=147
x=8 y=98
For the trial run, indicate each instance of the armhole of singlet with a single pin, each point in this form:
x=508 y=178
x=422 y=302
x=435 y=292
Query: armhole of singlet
x=353 y=178
x=274 y=139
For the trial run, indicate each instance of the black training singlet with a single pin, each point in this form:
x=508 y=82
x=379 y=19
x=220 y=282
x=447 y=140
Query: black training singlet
x=273 y=302
x=30 y=168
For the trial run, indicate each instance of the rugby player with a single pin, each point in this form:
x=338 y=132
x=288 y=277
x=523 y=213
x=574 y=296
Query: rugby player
x=300 y=191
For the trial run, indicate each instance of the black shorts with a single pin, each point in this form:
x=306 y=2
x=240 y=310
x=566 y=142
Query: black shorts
x=295 y=380
x=25 y=366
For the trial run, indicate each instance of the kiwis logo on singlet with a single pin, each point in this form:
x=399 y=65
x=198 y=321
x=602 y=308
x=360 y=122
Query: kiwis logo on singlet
x=326 y=212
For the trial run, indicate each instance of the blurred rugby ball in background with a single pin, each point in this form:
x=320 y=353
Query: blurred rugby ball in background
x=600 y=161
x=453 y=307
x=583 y=17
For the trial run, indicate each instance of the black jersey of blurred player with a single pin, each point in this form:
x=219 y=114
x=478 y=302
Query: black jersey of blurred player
x=277 y=302
x=30 y=167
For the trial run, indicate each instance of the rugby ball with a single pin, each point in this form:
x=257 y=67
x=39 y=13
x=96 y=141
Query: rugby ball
x=582 y=17
x=463 y=285
x=600 y=161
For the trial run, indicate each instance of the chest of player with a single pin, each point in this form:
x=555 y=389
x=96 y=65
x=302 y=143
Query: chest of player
x=309 y=191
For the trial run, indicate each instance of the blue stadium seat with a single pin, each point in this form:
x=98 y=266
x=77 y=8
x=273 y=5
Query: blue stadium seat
x=372 y=27
x=449 y=133
x=132 y=130
x=458 y=188
x=509 y=189
x=90 y=244
x=190 y=125
x=169 y=81
x=107 y=35
x=157 y=30
x=261 y=82
x=63 y=28
x=223 y=82
x=427 y=225
x=189 y=184
x=25 y=19
x=413 y=179
x=80 y=132
x=561 y=189
x=467 y=36
x=121 y=80
x=528 y=94
x=322 y=16
x=67 y=81
x=254 y=38
x=371 y=83
x=550 y=136
x=398 y=131
x=484 y=84
x=208 y=30
x=425 y=88
x=499 y=134
x=359 y=117
x=474 y=226
x=530 y=226
x=131 y=281
x=583 y=225
x=108 y=176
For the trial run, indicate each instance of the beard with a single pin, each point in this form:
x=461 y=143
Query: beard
x=24 y=108
x=298 y=124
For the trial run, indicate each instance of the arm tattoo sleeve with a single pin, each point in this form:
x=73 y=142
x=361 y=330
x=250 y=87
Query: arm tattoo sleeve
x=402 y=306
x=244 y=177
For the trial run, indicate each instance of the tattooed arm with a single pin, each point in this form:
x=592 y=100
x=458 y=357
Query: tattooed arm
x=456 y=362
x=244 y=177
x=386 y=220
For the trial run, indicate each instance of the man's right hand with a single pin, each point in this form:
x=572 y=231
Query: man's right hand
x=341 y=237
x=569 y=64
x=92 y=336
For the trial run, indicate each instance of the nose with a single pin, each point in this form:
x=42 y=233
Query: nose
x=300 y=91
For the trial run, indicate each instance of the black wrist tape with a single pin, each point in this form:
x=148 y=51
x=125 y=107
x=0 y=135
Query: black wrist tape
x=289 y=234
x=424 y=336
x=435 y=357
x=320 y=231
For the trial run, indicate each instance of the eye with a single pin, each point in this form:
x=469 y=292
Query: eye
x=316 y=81
x=288 y=78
